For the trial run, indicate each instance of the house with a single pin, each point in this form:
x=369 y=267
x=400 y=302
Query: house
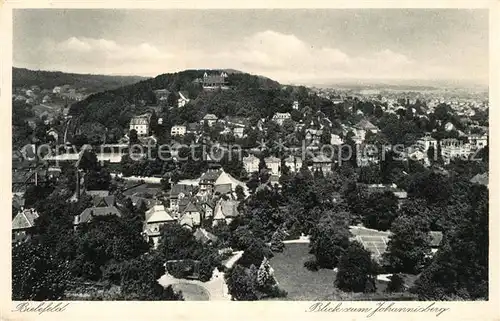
x=183 y=99
x=323 y=163
x=215 y=81
x=364 y=126
x=178 y=130
x=238 y=132
x=46 y=99
x=208 y=208
x=23 y=224
x=279 y=118
x=207 y=181
x=478 y=141
x=56 y=90
x=426 y=142
x=251 y=164
x=209 y=119
x=336 y=140
x=273 y=164
x=366 y=154
x=191 y=216
x=141 y=124
x=177 y=192
x=453 y=148
x=226 y=181
x=313 y=136
x=156 y=216
x=91 y=212
x=293 y=163
x=225 y=210
x=295 y=105
x=162 y=95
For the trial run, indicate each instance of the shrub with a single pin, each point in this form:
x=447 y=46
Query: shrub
x=311 y=265
x=396 y=284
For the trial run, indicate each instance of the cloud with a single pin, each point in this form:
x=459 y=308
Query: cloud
x=280 y=56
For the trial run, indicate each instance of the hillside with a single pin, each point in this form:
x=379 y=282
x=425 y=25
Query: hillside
x=22 y=77
x=249 y=96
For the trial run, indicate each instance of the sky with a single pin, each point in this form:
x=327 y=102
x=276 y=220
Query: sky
x=291 y=46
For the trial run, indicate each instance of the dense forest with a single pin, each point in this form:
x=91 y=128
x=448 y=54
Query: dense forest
x=22 y=77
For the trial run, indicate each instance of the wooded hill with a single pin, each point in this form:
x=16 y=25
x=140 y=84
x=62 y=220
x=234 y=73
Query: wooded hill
x=249 y=96
x=22 y=77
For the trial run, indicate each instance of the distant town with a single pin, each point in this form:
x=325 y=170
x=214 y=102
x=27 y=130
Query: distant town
x=221 y=185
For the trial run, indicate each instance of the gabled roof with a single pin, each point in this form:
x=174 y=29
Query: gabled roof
x=24 y=219
x=106 y=201
x=88 y=213
x=365 y=124
x=211 y=175
x=480 y=179
x=191 y=207
x=210 y=117
x=226 y=209
x=204 y=236
x=223 y=188
x=158 y=214
x=226 y=178
x=321 y=159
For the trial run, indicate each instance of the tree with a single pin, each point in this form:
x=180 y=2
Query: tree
x=265 y=276
x=241 y=283
x=277 y=239
x=396 y=283
x=37 y=275
x=240 y=194
x=330 y=239
x=356 y=271
x=133 y=138
x=431 y=154
x=326 y=137
x=378 y=210
x=409 y=248
x=139 y=280
x=105 y=239
x=460 y=267
x=433 y=187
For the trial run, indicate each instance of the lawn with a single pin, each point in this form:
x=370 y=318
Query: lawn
x=299 y=282
x=302 y=284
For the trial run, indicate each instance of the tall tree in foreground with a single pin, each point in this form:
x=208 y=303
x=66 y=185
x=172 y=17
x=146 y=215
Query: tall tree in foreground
x=357 y=270
x=330 y=239
x=409 y=245
x=460 y=267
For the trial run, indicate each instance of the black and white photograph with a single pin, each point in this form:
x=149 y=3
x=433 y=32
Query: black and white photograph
x=326 y=155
